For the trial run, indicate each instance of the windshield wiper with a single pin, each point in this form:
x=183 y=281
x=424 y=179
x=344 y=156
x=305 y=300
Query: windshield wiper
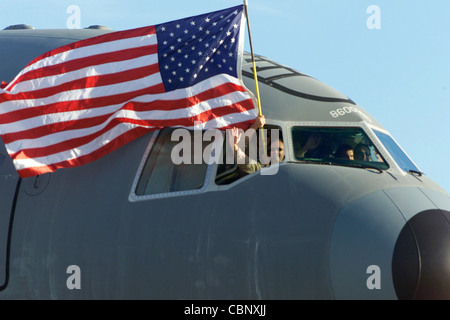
x=355 y=164
x=345 y=163
x=364 y=166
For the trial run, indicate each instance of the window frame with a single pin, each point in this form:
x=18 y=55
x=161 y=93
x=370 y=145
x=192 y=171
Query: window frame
x=211 y=172
x=367 y=129
x=391 y=154
x=273 y=123
x=133 y=197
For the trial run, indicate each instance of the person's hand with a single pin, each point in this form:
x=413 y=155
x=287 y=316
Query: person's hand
x=234 y=137
x=259 y=122
x=313 y=142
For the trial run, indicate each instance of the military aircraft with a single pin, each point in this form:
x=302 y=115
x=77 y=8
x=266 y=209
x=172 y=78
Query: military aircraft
x=133 y=225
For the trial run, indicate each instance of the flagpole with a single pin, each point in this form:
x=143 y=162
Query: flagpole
x=258 y=99
x=253 y=59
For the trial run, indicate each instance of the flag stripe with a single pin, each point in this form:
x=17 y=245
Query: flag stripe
x=117 y=142
x=69 y=144
x=31 y=170
x=31 y=87
x=87 y=97
x=98 y=41
x=70 y=110
x=36 y=125
x=24 y=101
x=87 y=82
x=91 y=46
x=89 y=61
x=28 y=167
x=89 y=148
x=149 y=118
x=102 y=69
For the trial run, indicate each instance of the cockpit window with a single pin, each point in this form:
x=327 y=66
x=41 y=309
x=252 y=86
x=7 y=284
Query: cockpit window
x=180 y=161
x=396 y=152
x=174 y=164
x=261 y=148
x=336 y=146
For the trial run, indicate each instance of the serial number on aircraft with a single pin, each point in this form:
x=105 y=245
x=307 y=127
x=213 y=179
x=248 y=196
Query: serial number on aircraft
x=343 y=111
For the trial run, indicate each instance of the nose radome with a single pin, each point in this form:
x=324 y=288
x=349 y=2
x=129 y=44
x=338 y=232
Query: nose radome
x=421 y=259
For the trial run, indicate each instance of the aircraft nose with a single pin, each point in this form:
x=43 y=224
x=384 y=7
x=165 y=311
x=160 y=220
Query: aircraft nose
x=421 y=258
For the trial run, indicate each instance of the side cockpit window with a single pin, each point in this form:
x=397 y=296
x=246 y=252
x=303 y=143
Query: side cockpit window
x=257 y=150
x=180 y=161
x=175 y=163
x=403 y=161
x=336 y=146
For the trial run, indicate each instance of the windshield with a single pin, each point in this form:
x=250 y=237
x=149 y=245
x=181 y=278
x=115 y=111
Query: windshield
x=336 y=146
x=396 y=152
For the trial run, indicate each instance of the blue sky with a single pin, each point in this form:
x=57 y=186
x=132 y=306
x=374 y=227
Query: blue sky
x=398 y=71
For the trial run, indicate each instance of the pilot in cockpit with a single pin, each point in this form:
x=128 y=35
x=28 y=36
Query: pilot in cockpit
x=344 y=151
x=362 y=152
x=318 y=145
x=245 y=164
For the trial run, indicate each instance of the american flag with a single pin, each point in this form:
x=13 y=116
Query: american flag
x=74 y=104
